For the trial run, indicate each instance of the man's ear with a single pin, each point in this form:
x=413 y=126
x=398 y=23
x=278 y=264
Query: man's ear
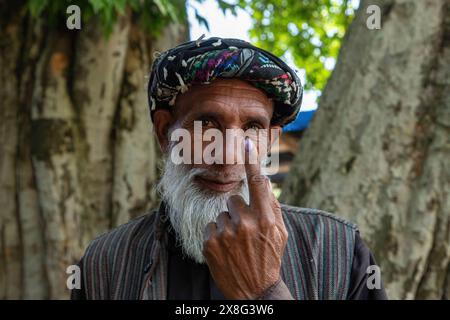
x=162 y=120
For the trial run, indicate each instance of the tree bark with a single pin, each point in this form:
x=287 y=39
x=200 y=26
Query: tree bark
x=77 y=153
x=377 y=151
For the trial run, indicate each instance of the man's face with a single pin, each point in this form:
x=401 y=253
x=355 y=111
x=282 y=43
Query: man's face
x=197 y=193
x=224 y=105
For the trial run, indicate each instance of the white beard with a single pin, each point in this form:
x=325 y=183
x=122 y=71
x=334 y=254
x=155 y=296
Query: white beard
x=190 y=208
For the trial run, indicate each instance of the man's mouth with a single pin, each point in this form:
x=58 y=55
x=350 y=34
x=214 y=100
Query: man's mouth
x=218 y=185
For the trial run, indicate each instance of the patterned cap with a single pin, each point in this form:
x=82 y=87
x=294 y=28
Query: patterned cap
x=202 y=61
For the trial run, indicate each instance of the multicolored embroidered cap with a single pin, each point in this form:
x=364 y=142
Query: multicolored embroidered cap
x=203 y=61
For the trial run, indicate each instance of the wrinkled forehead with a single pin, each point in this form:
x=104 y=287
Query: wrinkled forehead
x=225 y=95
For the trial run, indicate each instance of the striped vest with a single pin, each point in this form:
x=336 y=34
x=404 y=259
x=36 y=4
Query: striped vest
x=131 y=261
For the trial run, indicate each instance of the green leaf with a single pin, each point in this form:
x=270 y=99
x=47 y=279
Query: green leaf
x=97 y=5
x=36 y=7
x=321 y=25
x=201 y=20
x=161 y=6
x=224 y=6
x=120 y=6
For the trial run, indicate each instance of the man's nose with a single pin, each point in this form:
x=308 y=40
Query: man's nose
x=228 y=149
x=233 y=147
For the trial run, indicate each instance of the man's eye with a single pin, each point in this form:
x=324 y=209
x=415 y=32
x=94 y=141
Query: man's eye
x=207 y=123
x=254 y=126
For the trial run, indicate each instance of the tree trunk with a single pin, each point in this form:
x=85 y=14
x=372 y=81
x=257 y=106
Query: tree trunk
x=77 y=154
x=378 y=149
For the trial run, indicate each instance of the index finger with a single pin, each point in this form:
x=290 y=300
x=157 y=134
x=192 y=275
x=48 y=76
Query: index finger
x=257 y=183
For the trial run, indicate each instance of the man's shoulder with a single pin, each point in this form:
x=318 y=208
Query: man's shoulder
x=113 y=257
x=319 y=242
x=313 y=216
x=135 y=232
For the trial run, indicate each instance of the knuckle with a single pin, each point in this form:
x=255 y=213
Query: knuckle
x=276 y=205
x=209 y=225
x=226 y=234
x=209 y=231
x=222 y=215
x=209 y=243
x=284 y=234
x=235 y=199
x=267 y=223
x=246 y=226
x=258 y=179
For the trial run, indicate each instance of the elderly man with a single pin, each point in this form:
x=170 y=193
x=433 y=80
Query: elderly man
x=219 y=232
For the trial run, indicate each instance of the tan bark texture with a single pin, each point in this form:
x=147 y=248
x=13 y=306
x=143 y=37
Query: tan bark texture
x=377 y=151
x=77 y=152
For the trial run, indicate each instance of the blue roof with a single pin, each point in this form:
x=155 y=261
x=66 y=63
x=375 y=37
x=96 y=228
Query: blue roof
x=301 y=122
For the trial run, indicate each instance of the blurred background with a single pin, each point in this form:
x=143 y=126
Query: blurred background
x=372 y=143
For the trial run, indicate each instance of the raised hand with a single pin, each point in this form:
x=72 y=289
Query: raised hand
x=244 y=247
